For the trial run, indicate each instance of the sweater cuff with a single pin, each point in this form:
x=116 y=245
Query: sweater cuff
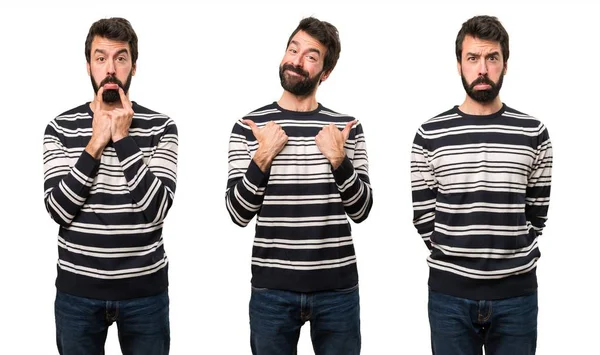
x=256 y=176
x=87 y=165
x=344 y=171
x=125 y=147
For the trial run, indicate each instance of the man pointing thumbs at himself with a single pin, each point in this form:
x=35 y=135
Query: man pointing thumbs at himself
x=302 y=169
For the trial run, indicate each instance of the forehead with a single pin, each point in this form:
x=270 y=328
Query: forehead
x=108 y=45
x=480 y=46
x=304 y=40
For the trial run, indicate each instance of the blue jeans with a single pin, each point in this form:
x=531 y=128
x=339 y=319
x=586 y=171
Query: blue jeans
x=277 y=316
x=82 y=324
x=503 y=327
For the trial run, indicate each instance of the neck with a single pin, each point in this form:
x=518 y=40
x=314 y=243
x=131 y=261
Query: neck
x=292 y=102
x=472 y=107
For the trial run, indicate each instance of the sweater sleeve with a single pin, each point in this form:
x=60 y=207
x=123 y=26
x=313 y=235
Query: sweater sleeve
x=424 y=188
x=538 y=186
x=152 y=184
x=352 y=178
x=66 y=187
x=246 y=183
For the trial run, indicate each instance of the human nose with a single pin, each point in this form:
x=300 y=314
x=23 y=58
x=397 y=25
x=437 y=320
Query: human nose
x=483 y=68
x=297 y=61
x=110 y=68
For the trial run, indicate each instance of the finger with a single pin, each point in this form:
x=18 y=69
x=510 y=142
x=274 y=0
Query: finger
x=124 y=99
x=346 y=130
x=252 y=125
x=98 y=102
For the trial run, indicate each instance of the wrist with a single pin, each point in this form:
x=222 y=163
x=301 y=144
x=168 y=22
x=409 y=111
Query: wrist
x=337 y=161
x=118 y=136
x=94 y=149
x=263 y=160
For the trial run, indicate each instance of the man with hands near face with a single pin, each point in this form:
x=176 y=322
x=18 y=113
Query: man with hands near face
x=111 y=121
x=303 y=170
x=109 y=180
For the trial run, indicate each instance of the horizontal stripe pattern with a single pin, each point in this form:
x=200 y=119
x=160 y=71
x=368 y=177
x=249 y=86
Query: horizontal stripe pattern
x=302 y=206
x=481 y=191
x=110 y=211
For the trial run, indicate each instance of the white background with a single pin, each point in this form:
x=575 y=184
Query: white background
x=208 y=65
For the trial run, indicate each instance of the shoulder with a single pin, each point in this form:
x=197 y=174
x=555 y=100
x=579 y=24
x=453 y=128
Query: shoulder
x=143 y=112
x=331 y=113
x=441 y=120
x=528 y=123
x=444 y=116
x=70 y=119
x=263 y=113
x=148 y=118
x=524 y=117
x=79 y=112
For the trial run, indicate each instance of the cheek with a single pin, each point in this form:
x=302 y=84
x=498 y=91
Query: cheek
x=97 y=72
x=497 y=73
x=286 y=59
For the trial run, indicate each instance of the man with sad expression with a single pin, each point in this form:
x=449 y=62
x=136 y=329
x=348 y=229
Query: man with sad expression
x=302 y=169
x=109 y=180
x=481 y=187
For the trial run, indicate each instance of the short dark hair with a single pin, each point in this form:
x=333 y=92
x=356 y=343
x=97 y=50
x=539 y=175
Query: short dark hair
x=116 y=29
x=325 y=33
x=483 y=27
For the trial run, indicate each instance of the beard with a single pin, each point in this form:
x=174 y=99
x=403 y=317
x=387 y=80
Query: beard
x=299 y=86
x=111 y=96
x=482 y=96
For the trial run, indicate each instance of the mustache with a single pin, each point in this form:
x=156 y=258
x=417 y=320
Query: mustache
x=482 y=80
x=296 y=70
x=111 y=80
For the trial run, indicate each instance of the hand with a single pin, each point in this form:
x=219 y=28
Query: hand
x=101 y=124
x=121 y=118
x=271 y=140
x=330 y=142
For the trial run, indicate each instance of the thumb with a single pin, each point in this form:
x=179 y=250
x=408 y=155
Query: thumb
x=253 y=126
x=346 y=130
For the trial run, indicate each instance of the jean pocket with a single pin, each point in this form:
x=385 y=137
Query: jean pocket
x=346 y=290
x=259 y=289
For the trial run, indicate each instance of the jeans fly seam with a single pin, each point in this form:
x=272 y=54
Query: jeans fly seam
x=489 y=313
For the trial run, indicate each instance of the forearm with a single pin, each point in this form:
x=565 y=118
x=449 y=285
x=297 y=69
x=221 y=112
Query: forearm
x=245 y=194
x=424 y=214
x=538 y=188
x=152 y=185
x=355 y=190
x=66 y=189
x=424 y=191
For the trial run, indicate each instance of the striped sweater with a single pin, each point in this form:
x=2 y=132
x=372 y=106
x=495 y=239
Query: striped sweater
x=303 y=241
x=481 y=188
x=110 y=211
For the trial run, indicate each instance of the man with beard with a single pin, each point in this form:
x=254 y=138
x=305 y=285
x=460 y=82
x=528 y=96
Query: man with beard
x=303 y=169
x=109 y=180
x=481 y=186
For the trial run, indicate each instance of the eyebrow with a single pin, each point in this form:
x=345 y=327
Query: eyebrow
x=477 y=55
x=315 y=50
x=120 y=51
